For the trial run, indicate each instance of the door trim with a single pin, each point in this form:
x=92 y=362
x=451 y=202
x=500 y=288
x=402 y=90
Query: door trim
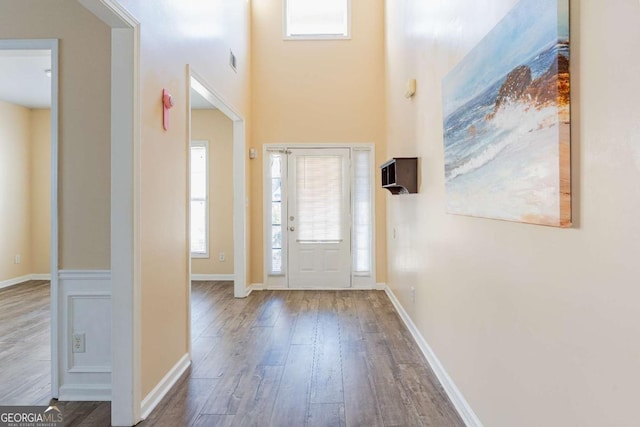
x=125 y=210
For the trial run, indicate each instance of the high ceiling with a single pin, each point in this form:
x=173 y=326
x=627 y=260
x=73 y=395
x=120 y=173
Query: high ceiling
x=23 y=80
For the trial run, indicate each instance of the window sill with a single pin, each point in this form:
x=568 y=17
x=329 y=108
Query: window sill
x=200 y=256
x=309 y=37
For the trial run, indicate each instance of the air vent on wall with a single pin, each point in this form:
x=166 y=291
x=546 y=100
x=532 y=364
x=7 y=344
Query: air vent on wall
x=232 y=61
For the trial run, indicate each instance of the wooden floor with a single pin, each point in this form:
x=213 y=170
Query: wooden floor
x=294 y=358
x=302 y=358
x=25 y=351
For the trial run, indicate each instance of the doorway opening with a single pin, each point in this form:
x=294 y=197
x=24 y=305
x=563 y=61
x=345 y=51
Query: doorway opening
x=211 y=192
x=28 y=220
x=217 y=211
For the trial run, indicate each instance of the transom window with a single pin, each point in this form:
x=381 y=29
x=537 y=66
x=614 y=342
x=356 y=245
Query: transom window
x=317 y=19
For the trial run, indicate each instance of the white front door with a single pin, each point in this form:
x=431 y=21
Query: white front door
x=319 y=218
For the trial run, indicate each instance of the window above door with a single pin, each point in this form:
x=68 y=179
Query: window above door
x=317 y=20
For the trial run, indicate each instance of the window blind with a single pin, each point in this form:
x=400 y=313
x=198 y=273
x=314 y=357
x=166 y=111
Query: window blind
x=319 y=187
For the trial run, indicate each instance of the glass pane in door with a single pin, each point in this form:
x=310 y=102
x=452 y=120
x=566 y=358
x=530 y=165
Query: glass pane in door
x=319 y=186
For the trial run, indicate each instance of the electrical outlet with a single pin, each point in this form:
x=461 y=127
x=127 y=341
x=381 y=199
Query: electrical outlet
x=79 y=342
x=221 y=257
x=17 y=259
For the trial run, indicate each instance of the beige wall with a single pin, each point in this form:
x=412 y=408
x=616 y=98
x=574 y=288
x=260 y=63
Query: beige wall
x=536 y=325
x=40 y=166
x=316 y=92
x=84 y=134
x=15 y=183
x=25 y=182
x=216 y=128
x=174 y=34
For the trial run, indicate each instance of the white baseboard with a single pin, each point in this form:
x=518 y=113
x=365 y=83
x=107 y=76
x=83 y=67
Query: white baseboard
x=162 y=388
x=366 y=287
x=14 y=281
x=458 y=400
x=316 y=288
x=85 y=393
x=255 y=287
x=262 y=287
x=22 y=279
x=214 y=277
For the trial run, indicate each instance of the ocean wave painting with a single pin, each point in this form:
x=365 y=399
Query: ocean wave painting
x=507 y=120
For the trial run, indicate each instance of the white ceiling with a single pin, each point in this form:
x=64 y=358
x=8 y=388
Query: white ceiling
x=199 y=103
x=23 y=80
x=22 y=77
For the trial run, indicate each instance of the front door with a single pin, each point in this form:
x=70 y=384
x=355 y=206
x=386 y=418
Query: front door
x=319 y=218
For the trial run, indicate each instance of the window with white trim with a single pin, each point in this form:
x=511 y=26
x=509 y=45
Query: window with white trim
x=276 y=162
x=362 y=195
x=199 y=194
x=317 y=19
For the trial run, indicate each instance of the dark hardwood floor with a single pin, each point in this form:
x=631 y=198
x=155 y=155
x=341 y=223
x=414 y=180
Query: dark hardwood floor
x=295 y=358
x=302 y=358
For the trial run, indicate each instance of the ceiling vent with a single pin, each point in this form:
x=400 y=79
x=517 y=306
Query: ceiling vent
x=232 y=61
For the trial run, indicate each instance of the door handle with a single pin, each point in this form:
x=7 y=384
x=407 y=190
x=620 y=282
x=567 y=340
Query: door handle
x=292 y=228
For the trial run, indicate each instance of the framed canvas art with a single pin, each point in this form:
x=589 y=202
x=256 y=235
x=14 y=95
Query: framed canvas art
x=506 y=109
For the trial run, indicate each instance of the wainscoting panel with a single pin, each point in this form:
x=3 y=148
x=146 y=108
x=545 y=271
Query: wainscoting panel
x=85 y=313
